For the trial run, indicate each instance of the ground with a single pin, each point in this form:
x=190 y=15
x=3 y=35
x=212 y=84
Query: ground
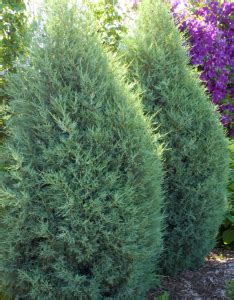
x=206 y=283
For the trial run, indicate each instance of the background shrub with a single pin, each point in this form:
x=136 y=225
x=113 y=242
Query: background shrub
x=196 y=160
x=13 y=44
x=110 y=22
x=83 y=191
x=13 y=29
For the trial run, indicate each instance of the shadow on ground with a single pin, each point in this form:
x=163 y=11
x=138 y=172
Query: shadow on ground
x=206 y=283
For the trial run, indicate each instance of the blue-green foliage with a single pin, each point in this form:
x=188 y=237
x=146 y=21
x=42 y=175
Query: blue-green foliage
x=196 y=160
x=83 y=191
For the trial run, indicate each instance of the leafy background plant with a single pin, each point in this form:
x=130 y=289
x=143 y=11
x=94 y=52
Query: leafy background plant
x=13 y=29
x=164 y=296
x=13 y=44
x=110 y=22
x=230 y=289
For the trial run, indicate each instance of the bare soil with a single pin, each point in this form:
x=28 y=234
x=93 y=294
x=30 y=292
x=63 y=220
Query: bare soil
x=206 y=283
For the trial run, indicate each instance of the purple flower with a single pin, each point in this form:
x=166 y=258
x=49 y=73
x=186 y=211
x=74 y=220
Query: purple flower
x=211 y=33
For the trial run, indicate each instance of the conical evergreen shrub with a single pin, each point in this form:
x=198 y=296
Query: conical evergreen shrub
x=196 y=161
x=83 y=193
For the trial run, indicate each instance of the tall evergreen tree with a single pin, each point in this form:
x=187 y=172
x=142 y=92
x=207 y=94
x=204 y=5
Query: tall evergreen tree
x=83 y=193
x=196 y=160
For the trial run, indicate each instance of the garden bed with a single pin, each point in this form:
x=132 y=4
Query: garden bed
x=205 y=283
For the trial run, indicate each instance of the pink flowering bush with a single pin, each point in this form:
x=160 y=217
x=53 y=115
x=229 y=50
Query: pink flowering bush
x=210 y=29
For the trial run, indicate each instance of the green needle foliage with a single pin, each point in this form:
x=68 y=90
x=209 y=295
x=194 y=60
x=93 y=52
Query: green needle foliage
x=196 y=160
x=83 y=192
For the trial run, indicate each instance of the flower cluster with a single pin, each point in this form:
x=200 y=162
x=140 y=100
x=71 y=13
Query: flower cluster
x=210 y=29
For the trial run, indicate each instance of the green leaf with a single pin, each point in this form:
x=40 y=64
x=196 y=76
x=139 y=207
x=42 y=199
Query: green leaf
x=164 y=296
x=228 y=236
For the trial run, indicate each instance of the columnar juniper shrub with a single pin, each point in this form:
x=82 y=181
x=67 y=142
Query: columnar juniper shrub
x=83 y=193
x=196 y=160
x=210 y=31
